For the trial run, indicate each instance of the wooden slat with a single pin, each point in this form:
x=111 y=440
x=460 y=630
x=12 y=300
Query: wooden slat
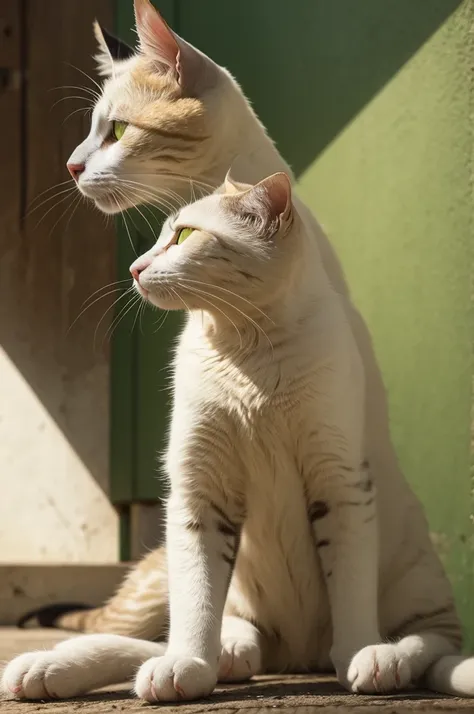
x=61 y=267
x=46 y=274
x=10 y=31
x=10 y=126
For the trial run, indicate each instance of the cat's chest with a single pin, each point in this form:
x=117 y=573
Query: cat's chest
x=263 y=398
x=232 y=386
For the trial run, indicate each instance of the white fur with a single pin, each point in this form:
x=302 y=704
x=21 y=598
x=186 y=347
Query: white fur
x=76 y=666
x=89 y=662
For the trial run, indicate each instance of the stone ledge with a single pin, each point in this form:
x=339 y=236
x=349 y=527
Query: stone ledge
x=27 y=587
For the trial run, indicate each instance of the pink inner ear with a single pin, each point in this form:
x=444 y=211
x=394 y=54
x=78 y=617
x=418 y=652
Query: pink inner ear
x=278 y=188
x=156 y=38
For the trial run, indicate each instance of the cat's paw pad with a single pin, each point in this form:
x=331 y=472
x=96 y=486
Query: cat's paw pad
x=172 y=678
x=40 y=675
x=240 y=660
x=378 y=669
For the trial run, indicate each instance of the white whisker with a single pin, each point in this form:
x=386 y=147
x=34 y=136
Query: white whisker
x=231 y=292
x=157 y=191
x=58 y=203
x=122 y=213
x=161 y=321
x=180 y=297
x=74 y=96
x=247 y=317
x=94 y=93
x=116 y=301
x=51 y=198
x=116 y=322
x=145 y=194
x=104 y=287
x=141 y=214
x=140 y=308
x=51 y=188
x=87 y=75
x=73 y=205
x=192 y=291
x=84 y=110
x=84 y=309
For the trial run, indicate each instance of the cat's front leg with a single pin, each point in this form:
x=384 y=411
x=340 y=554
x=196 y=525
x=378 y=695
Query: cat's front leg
x=202 y=541
x=343 y=515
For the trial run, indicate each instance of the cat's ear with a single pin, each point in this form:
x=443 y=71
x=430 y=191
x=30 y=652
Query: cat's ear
x=230 y=187
x=277 y=189
x=191 y=69
x=111 y=50
x=270 y=202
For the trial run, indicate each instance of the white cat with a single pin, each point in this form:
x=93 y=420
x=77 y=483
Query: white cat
x=167 y=113
x=271 y=490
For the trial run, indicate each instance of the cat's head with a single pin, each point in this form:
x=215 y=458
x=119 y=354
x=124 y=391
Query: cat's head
x=234 y=252
x=153 y=121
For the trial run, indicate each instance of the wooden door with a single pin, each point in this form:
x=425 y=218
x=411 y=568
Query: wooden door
x=54 y=253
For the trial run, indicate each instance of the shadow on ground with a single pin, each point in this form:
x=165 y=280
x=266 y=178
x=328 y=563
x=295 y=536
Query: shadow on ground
x=289 y=694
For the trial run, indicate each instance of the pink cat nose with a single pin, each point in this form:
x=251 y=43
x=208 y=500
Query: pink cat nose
x=75 y=170
x=138 y=266
x=135 y=273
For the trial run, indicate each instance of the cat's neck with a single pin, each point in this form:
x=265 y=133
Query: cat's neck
x=256 y=157
x=245 y=147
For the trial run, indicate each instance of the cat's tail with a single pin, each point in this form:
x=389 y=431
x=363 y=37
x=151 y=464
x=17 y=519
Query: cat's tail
x=452 y=674
x=139 y=608
x=67 y=616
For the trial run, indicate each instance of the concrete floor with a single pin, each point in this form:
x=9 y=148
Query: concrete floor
x=298 y=695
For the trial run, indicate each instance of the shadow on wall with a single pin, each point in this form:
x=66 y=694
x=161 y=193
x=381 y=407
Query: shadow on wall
x=311 y=66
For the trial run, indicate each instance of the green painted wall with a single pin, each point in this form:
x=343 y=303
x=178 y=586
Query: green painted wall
x=372 y=105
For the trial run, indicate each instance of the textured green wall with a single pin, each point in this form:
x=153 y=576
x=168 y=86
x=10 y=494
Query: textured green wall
x=371 y=102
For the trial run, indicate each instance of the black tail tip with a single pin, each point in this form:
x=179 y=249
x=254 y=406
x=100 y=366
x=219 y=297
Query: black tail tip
x=46 y=616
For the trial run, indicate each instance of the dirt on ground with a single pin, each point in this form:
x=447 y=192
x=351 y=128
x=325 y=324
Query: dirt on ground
x=298 y=695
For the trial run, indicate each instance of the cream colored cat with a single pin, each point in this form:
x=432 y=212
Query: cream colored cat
x=166 y=114
x=275 y=514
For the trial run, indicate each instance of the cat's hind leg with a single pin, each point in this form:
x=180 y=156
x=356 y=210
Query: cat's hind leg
x=76 y=666
x=452 y=674
x=241 y=654
x=388 y=667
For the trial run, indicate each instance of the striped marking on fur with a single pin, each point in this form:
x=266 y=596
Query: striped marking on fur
x=317 y=510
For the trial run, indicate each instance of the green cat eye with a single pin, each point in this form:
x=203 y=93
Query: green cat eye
x=183 y=234
x=118 y=129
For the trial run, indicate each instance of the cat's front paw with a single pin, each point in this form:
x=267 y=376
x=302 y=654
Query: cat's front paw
x=173 y=678
x=378 y=669
x=42 y=675
x=240 y=660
